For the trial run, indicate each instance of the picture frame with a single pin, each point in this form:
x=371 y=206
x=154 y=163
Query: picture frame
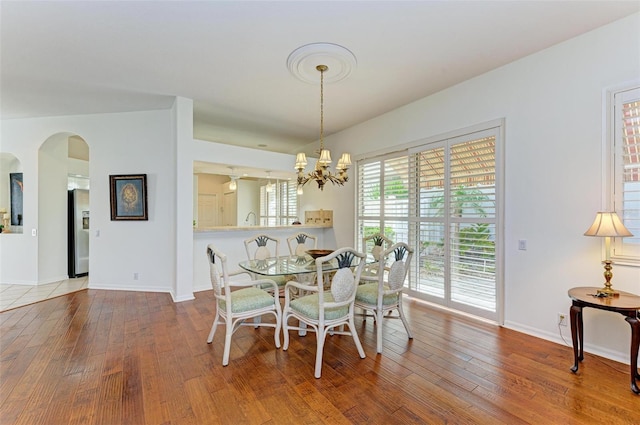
x=128 y=197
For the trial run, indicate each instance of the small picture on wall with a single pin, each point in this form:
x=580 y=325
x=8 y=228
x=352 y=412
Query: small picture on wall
x=128 y=197
x=17 y=192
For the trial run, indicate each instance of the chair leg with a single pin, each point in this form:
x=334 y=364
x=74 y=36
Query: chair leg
x=227 y=342
x=276 y=335
x=320 y=337
x=404 y=320
x=285 y=331
x=213 y=329
x=356 y=340
x=379 y=313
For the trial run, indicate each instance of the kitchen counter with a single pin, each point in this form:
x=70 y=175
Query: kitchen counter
x=230 y=240
x=297 y=227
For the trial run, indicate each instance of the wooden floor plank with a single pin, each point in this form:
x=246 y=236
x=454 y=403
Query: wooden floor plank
x=115 y=357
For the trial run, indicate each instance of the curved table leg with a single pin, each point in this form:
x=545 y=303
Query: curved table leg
x=575 y=316
x=635 y=345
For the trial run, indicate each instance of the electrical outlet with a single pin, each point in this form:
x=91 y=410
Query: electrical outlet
x=562 y=319
x=135 y=276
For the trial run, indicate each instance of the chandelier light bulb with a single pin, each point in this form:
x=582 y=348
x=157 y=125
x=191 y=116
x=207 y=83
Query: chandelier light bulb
x=233 y=185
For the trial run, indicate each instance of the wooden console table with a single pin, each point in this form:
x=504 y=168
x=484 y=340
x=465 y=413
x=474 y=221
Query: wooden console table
x=626 y=304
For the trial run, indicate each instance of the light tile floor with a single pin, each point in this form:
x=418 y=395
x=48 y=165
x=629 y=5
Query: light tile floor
x=12 y=296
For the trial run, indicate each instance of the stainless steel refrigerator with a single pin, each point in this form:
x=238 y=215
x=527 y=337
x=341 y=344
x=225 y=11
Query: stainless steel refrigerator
x=78 y=232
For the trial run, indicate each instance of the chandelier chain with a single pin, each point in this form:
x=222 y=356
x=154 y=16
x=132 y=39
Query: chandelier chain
x=322 y=69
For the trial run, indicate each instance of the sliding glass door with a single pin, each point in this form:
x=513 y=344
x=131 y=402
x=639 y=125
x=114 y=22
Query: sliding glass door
x=442 y=199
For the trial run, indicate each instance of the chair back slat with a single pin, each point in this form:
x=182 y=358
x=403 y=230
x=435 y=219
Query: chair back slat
x=344 y=282
x=263 y=244
x=217 y=268
x=376 y=244
x=301 y=242
x=401 y=254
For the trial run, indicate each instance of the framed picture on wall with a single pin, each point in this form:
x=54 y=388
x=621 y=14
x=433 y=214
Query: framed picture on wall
x=17 y=192
x=128 y=197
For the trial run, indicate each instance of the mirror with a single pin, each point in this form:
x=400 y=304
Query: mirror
x=218 y=204
x=10 y=182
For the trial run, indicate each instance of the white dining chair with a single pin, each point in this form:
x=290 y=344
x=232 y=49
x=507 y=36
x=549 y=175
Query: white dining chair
x=381 y=293
x=325 y=310
x=237 y=301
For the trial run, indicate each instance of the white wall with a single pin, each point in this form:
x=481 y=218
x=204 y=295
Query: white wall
x=552 y=102
x=248 y=199
x=52 y=208
x=125 y=143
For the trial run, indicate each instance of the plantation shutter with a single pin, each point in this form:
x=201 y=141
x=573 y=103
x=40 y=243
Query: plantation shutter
x=383 y=197
x=288 y=202
x=454 y=199
x=472 y=221
x=268 y=206
x=627 y=170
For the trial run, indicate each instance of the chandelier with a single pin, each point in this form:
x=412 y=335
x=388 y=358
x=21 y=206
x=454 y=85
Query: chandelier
x=321 y=173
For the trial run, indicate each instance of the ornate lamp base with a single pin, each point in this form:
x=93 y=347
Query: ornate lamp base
x=607 y=290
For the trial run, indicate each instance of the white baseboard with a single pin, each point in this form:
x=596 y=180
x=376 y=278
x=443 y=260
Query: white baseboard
x=617 y=356
x=108 y=287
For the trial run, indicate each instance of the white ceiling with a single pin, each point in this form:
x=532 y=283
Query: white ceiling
x=64 y=58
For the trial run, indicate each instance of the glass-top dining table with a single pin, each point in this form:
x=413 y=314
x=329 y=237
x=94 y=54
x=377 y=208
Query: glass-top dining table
x=286 y=265
x=302 y=267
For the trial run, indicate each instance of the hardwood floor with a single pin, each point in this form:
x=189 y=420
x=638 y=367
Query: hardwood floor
x=110 y=357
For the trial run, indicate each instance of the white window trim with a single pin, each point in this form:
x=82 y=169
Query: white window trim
x=499 y=124
x=608 y=156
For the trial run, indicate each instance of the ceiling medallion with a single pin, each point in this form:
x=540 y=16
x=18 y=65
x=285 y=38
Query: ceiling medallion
x=303 y=62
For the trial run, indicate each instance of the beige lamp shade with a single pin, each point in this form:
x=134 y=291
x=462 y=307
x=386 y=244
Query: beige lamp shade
x=608 y=224
x=345 y=161
x=325 y=157
x=301 y=160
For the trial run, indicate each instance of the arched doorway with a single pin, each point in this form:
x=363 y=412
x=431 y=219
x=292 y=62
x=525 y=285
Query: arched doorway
x=63 y=164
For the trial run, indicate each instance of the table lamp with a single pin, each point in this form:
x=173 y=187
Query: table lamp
x=607 y=225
